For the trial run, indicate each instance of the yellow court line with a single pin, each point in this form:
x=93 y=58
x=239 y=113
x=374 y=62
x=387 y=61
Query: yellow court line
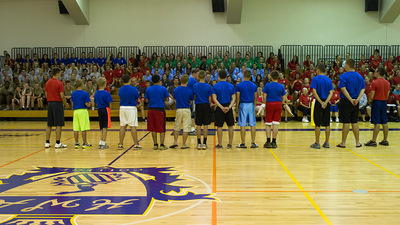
x=380 y=155
x=302 y=189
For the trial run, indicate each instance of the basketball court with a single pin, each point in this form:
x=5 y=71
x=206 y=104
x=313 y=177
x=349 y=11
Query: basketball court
x=292 y=184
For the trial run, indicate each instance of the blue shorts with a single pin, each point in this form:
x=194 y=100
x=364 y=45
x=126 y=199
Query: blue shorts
x=378 y=112
x=334 y=108
x=247 y=115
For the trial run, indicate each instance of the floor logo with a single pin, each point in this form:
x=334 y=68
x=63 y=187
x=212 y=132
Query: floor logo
x=89 y=191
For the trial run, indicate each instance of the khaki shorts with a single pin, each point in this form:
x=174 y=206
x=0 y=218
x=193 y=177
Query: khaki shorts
x=183 y=117
x=128 y=116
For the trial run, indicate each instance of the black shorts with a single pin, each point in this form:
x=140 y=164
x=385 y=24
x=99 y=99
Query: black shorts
x=68 y=100
x=55 y=114
x=221 y=117
x=322 y=116
x=193 y=110
x=203 y=116
x=104 y=118
x=348 y=112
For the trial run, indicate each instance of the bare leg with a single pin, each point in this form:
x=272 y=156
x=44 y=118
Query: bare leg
x=219 y=135
x=28 y=100
x=327 y=133
x=33 y=103
x=375 y=132
x=134 y=135
x=103 y=135
x=253 y=134
x=154 y=136
x=13 y=104
x=345 y=132
x=356 y=132
x=84 y=136
x=243 y=134
x=76 y=136
x=142 y=111
x=317 y=133
x=162 y=138
x=205 y=131
x=385 y=131
x=275 y=131
x=58 y=133
x=122 y=130
x=198 y=130
x=230 y=133
x=184 y=138
x=48 y=133
x=176 y=135
x=268 y=131
x=23 y=101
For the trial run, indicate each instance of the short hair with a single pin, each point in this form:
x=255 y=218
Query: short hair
x=321 y=68
x=275 y=75
x=155 y=79
x=184 y=78
x=202 y=74
x=381 y=71
x=195 y=70
x=247 y=74
x=68 y=82
x=78 y=83
x=305 y=89
x=350 y=63
x=222 y=74
x=126 y=78
x=55 y=71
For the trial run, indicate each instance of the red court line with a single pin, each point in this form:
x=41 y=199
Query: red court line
x=214 y=189
x=30 y=154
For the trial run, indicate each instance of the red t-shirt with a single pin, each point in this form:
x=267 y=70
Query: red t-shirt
x=142 y=84
x=363 y=74
x=361 y=63
x=297 y=86
x=306 y=64
x=137 y=75
x=389 y=66
x=374 y=64
x=335 y=97
x=391 y=99
x=381 y=88
x=308 y=88
x=293 y=74
x=269 y=60
x=292 y=66
x=395 y=80
x=10 y=62
x=53 y=88
x=118 y=73
x=284 y=82
x=372 y=58
x=131 y=60
x=398 y=58
x=368 y=88
x=140 y=64
x=304 y=99
x=308 y=73
x=272 y=63
x=109 y=76
x=143 y=70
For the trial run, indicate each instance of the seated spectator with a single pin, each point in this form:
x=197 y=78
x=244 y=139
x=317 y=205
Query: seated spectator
x=16 y=98
x=95 y=72
x=328 y=72
x=306 y=84
x=398 y=105
x=376 y=54
x=19 y=60
x=282 y=80
x=375 y=62
x=101 y=61
x=309 y=73
x=362 y=62
x=368 y=84
x=9 y=61
x=65 y=59
x=118 y=75
x=142 y=83
x=392 y=103
x=396 y=90
x=165 y=81
x=45 y=79
x=35 y=81
x=337 y=62
x=91 y=90
x=307 y=63
x=37 y=96
x=304 y=105
x=260 y=106
x=347 y=57
x=288 y=105
x=293 y=74
x=389 y=64
x=270 y=58
x=83 y=60
x=335 y=103
x=16 y=83
x=110 y=77
x=339 y=72
x=363 y=72
x=26 y=97
x=55 y=60
x=110 y=59
x=363 y=105
x=296 y=85
x=45 y=60
x=395 y=79
x=248 y=61
x=73 y=60
x=7 y=70
x=275 y=61
x=6 y=94
x=120 y=60
x=91 y=60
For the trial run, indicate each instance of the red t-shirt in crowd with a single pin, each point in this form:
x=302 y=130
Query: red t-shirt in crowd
x=372 y=58
x=142 y=84
x=272 y=63
x=363 y=74
x=360 y=63
x=118 y=73
x=308 y=88
x=307 y=64
x=131 y=60
x=304 y=99
x=293 y=74
x=109 y=76
x=395 y=80
x=374 y=64
x=269 y=60
x=137 y=75
x=389 y=66
x=308 y=74
x=284 y=82
x=297 y=86
x=391 y=99
x=292 y=66
x=381 y=88
x=398 y=58
x=53 y=88
x=368 y=88
x=10 y=62
x=335 y=97
x=143 y=70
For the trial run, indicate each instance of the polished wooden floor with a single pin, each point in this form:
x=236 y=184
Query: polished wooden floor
x=292 y=184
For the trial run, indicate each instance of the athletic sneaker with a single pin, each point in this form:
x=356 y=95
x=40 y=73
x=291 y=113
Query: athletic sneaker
x=385 y=143
x=139 y=146
x=155 y=147
x=7 y=107
x=306 y=120
x=104 y=146
x=267 y=145
x=241 y=146
x=337 y=120
x=61 y=145
x=163 y=147
x=199 y=146
x=120 y=146
x=86 y=145
x=331 y=120
x=77 y=145
x=204 y=147
x=228 y=146
x=47 y=145
x=303 y=120
x=371 y=143
x=274 y=145
x=100 y=147
x=219 y=147
x=254 y=145
x=326 y=145
x=315 y=145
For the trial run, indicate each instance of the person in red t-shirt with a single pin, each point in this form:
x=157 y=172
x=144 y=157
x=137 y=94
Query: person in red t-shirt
x=376 y=54
x=292 y=64
x=361 y=62
x=389 y=64
x=136 y=74
x=55 y=113
x=375 y=63
x=306 y=84
x=132 y=60
x=110 y=77
x=307 y=63
x=309 y=73
x=396 y=79
x=144 y=68
x=368 y=84
x=304 y=105
x=334 y=103
x=378 y=96
x=362 y=71
x=282 y=80
x=293 y=74
x=296 y=85
x=288 y=105
x=275 y=61
x=118 y=75
x=9 y=61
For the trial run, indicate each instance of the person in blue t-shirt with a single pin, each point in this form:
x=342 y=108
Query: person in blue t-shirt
x=193 y=80
x=202 y=91
x=322 y=90
x=103 y=101
x=121 y=60
x=73 y=59
x=183 y=97
x=128 y=116
x=352 y=86
x=224 y=97
x=246 y=99
x=274 y=95
x=55 y=60
x=156 y=96
x=65 y=59
x=91 y=59
x=100 y=61
x=83 y=60
x=81 y=101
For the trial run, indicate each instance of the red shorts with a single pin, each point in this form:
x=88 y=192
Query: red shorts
x=156 y=121
x=273 y=111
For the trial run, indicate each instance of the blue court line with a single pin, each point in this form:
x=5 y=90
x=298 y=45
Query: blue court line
x=127 y=150
x=300 y=129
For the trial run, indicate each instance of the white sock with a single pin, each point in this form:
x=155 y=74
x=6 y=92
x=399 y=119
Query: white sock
x=101 y=143
x=104 y=143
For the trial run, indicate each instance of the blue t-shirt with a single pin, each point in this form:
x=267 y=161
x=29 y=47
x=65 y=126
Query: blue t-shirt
x=156 y=95
x=202 y=92
x=79 y=98
x=353 y=82
x=101 y=61
x=183 y=96
x=91 y=60
x=247 y=90
x=121 y=61
x=65 y=61
x=224 y=92
x=83 y=61
x=102 y=99
x=191 y=82
x=274 y=91
x=53 y=60
x=323 y=85
x=73 y=60
x=128 y=95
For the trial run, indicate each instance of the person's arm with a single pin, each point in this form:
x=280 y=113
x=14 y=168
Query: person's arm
x=371 y=96
x=88 y=104
x=355 y=101
x=255 y=99
x=346 y=93
x=233 y=100
x=264 y=98
x=216 y=101
x=237 y=101
x=316 y=96
x=64 y=100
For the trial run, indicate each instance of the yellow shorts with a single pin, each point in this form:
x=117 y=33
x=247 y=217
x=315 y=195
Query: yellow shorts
x=81 y=120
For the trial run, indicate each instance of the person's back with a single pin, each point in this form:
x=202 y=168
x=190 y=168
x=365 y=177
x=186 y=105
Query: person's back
x=79 y=98
x=156 y=99
x=191 y=83
x=202 y=92
x=249 y=88
x=221 y=89
x=323 y=85
x=128 y=95
x=353 y=82
x=381 y=88
x=183 y=96
x=274 y=91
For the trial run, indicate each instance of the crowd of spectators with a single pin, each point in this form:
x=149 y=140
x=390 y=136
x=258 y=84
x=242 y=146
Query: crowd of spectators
x=23 y=79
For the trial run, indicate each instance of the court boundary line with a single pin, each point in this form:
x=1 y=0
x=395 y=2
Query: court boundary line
x=112 y=162
x=214 y=188
x=321 y=213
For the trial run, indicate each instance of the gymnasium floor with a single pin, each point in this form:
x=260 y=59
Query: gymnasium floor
x=292 y=184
